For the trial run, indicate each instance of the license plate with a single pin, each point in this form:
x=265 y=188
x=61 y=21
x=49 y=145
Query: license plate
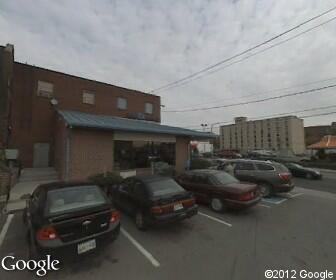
x=178 y=206
x=86 y=246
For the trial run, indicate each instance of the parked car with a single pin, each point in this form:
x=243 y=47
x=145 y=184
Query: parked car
x=219 y=189
x=69 y=219
x=298 y=170
x=153 y=200
x=272 y=177
x=228 y=154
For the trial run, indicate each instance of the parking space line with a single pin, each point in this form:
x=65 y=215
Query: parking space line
x=215 y=219
x=274 y=201
x=263 y=205
x=5 y=228
x=294 y=195
x=143 y=251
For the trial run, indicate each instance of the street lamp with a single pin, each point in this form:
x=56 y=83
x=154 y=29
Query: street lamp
x=204 y=125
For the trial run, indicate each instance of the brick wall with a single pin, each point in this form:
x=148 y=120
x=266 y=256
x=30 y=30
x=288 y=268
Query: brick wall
x=5 y=180
x=32 y=116
x=182 y=144
x=91 y=152
x=60 y=146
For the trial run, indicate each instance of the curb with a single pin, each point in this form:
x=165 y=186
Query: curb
x=327 y=170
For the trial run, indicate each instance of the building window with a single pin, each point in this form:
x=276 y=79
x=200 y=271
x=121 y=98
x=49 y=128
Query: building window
x=122 y=103
x=45 y=89
x=88 y=97
x=138 y=154
x=148 y=108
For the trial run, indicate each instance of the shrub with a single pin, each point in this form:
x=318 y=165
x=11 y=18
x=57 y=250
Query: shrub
x=200 y=164
x=106 y=180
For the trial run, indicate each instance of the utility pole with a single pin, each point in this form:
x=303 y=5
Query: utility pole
x=204 y=125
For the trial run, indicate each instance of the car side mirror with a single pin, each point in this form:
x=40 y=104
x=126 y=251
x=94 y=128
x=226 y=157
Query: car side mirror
x=26 y=196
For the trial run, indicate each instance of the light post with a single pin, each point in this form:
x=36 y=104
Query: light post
x=204 y=125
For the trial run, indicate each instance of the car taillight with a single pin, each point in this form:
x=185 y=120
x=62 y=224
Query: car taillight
x=285 y=176
x=115 y=216
x=189 y=202
x=246 y=196
x=156 y=210
x=46 y=233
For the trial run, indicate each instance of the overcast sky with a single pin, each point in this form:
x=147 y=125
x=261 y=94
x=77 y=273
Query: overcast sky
x=146 y=44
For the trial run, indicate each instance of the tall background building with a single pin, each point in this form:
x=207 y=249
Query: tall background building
x=277 y=134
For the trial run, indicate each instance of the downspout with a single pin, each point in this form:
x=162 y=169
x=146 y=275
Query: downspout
x=67 y=153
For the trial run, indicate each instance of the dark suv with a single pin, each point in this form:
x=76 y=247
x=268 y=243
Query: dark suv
x=272 y=177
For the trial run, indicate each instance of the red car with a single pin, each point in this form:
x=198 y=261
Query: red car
x=219 y=189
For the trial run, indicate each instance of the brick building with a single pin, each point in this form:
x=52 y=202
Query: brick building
x=36 y=105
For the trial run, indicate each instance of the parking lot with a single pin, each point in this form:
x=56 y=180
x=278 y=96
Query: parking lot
x=291 y=231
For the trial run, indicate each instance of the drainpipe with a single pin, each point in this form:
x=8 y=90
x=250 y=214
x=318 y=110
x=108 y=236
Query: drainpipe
x=67 y=153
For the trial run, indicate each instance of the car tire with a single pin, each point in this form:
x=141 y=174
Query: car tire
x=309 y=176
x=33 y=253
x=140 y=221
x=24 y=216
x=216 y=204
x=265 y=189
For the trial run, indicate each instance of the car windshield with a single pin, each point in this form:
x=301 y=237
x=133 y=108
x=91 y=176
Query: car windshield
x=297 y=165
x=164 y=187
x=223 y=178
x=65 y=200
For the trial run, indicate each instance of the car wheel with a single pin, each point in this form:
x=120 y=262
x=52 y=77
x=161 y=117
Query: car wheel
x=265 y=189
x=140 y=221
x=309 y=176
x=216 y=204
x=33 y=253
x=24 y=216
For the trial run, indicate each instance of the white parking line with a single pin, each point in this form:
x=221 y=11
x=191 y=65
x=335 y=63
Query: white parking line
x=263 y=205
x=5 y=228
x=294 y=195
x=140 y=248
x=215 y=219
x=267 y=200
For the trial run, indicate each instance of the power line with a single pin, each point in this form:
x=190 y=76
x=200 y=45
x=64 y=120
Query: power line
x=252 y=55
x=241 y=53
x=254 y=101
x=269 y=91
x=269 y=116
x=318 y=115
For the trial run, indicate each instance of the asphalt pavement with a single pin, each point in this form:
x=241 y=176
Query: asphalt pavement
x=327 y=184
x=293 y=231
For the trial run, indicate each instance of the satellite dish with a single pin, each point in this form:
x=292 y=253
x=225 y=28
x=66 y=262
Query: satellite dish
x=53 y=101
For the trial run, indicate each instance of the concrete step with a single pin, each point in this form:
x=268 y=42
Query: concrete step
x=38 y=174
x=39 y=178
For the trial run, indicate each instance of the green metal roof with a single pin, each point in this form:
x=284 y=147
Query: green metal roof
x=103 y=122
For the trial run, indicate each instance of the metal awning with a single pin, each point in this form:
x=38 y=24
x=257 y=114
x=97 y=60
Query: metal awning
x=102 y=122
x=327 y=142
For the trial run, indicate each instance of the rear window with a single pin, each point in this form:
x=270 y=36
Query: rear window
x=245 y=166
x=164 y=187
x=280 y=167
x=265 y=167
x=75 y=198
x=223 y=178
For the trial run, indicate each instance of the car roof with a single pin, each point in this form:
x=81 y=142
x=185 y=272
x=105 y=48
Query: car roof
x=149 y=178
x=203 y=171
x=252 y=160
x=63 y=184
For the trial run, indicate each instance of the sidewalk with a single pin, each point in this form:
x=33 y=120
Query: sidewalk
x=326 y=170
x=19 y=193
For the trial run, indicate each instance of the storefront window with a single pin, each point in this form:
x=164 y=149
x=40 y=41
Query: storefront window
x=140 y=154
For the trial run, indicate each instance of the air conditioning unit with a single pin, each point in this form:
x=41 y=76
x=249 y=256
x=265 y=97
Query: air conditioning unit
x=137 y=116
